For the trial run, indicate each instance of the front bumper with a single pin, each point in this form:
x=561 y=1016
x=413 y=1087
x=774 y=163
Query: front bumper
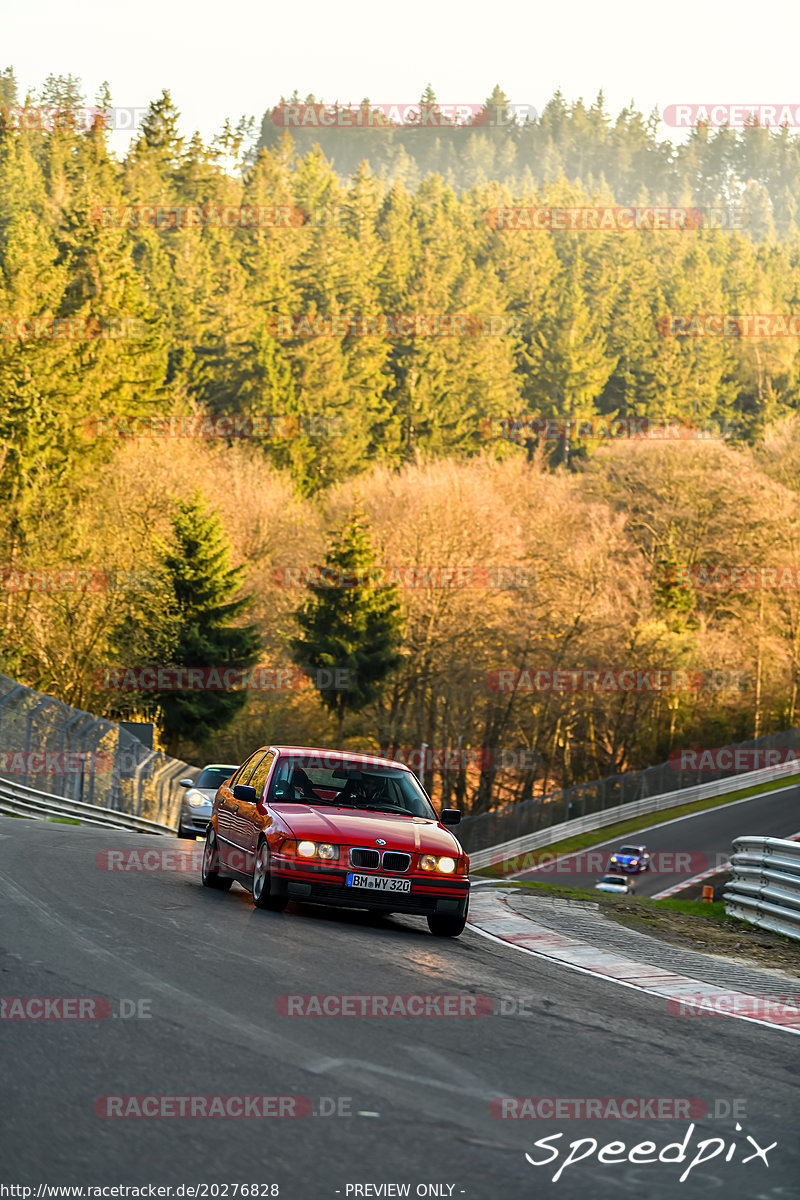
x=322 y=885
x=195 y=820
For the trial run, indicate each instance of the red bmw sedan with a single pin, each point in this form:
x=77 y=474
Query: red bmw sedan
x=330 y=827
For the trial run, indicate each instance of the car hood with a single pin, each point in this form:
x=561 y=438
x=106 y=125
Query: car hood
x=626 y=857
x=362 y=829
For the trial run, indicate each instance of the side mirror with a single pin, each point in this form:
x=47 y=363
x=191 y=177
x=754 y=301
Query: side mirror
x=451 y=816
x=243 y=791
x=185 y=783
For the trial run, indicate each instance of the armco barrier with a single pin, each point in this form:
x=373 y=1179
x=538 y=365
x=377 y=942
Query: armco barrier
x=764 y=888
x=498 y=856
x=19 y=801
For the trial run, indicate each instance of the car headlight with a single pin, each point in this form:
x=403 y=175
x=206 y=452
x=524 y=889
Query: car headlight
x=324 y=850
x=195 y=798
x=431 y=862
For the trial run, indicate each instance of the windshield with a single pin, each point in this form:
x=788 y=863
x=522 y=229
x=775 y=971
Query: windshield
x=620 y=879
x=634 y=850
x=349 y=784
x=212 y=777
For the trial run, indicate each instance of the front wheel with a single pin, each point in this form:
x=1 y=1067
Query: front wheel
x=445 y=926
x=210 y=869
x=260 y=888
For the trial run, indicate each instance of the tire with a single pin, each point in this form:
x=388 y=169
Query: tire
x=183 y=833
x=260 y=885
x=210 y=870
x=445 y=926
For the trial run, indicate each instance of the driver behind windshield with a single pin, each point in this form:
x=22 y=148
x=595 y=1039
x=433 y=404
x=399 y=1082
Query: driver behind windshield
x=360 y=790
x=302 y=785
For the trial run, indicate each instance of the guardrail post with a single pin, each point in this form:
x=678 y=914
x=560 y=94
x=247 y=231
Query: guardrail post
x=70 y=781
x=30 y=714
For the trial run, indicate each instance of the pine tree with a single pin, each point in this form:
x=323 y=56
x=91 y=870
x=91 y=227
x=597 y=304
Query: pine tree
x=202 y=583
x=8 y=91
x=353 y=629
x=571 y=355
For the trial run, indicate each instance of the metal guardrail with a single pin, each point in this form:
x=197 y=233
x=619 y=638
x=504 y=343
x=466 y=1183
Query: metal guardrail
x=499 y=856
x=765 y=884
x=19 y=801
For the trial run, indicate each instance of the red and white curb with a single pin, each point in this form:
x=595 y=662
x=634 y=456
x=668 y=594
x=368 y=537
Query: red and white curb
x=687 y=883
x=491 y=917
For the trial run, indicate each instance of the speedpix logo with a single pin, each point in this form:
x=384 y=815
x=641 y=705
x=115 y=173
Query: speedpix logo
x=617 y=1153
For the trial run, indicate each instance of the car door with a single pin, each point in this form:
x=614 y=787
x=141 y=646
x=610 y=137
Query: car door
x=227 y=814
x=242 y=818
x=250 y=819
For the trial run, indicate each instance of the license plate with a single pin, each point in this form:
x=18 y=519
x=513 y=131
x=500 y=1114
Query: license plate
x=378 y=883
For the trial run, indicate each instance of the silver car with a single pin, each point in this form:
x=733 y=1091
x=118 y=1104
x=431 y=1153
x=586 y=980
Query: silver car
x=198 y=802
x=614 y=883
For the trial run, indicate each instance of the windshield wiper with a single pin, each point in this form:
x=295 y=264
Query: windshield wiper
x=390 y=808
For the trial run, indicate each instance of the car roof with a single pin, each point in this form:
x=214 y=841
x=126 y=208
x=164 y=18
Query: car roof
x=219 y=767
x=339 y=755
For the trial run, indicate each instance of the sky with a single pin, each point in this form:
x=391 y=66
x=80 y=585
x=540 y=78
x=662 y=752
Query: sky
x=224 y=60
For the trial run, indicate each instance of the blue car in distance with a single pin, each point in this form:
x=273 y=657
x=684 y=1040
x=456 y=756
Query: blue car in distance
x=629 y=860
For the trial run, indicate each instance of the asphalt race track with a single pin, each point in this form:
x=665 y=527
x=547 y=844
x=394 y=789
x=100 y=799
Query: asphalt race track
x=414 y=1091
x=703 y=841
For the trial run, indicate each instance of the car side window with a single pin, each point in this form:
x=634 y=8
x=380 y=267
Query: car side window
x=259 y=776
x=246 y=769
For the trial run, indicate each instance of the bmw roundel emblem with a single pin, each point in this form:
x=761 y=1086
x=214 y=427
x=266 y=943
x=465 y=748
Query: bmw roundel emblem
x=380 y=841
